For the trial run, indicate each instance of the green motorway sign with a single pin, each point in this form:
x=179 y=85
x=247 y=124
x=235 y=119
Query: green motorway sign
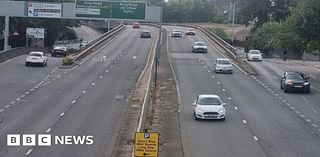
x=111 y=10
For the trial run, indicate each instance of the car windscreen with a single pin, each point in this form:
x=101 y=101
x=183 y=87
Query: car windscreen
x=199 y=44
x=226 y=62
x=254 y=52
x=209 y=101
x=295 y=76
x=35 y=54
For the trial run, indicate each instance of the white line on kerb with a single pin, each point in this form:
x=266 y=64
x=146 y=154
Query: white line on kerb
x=48 y=130
x=244 y=121
x=28 y=152
x=61 y=114
x=74 y=101
x=255 y=138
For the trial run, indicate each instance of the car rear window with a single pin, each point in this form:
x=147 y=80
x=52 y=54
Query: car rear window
x=209 y=101
x=254 y=52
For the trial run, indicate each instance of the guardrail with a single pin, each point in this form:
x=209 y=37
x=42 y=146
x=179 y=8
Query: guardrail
x=85 y=50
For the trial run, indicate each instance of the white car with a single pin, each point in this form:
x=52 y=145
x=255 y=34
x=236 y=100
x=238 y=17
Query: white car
x=209 y=106
x=176 y=33
x=254 y=55
x=223 y=65
x=35 y=57
x=199 y=47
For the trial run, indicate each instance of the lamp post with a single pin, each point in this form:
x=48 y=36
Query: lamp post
x=159 y=43
x=233 y=14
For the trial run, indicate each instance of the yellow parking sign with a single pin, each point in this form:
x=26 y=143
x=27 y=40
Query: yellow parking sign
x=146 y=144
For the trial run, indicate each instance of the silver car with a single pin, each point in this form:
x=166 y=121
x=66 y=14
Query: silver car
x=209 y=106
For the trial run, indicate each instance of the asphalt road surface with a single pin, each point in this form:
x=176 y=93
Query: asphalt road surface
x=258 y=121
x=86 y=33
x=87 y=100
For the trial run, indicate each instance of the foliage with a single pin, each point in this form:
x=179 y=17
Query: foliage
x=187 y=11
x=220 y=32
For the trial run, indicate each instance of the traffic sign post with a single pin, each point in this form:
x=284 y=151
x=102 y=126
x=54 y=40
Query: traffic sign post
x=111 y=10
x=146 y=144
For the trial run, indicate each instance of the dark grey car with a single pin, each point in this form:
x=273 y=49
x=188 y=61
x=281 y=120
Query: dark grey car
x=295 y=81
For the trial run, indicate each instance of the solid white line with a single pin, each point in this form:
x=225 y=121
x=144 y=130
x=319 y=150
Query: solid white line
x=255 y=138
x=48 y=130
x=74 y=101
x=61 y=114
x=28 y=152
x=244 y=121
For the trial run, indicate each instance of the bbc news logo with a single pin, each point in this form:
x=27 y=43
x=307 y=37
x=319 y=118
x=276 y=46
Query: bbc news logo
x=46 y=140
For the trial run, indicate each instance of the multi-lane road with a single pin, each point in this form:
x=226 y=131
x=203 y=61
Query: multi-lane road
x=91 y=99
x=87 y=100
x=261 y=119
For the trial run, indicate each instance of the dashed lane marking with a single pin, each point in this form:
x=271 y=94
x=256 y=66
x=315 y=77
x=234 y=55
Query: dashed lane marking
x=13 y=102
x=244 y=121
x=61 y=114
x=308 y=120
x=107 y=71
x=48 y=130
x=236 y=108
x=83 y=92
x=255 y=138
x=74 y=101
x=7 y=106
x=315 y=125
x=1 y=110
x=92 y=84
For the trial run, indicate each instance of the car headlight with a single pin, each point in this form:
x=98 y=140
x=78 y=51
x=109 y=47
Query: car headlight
x=306 y=83
x=199 y=110
x=221 y=111
x=289 y=82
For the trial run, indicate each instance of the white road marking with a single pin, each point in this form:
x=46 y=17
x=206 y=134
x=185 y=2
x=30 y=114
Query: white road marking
x=255 y=138
x=292 y=108
x=213 y=76
x=31 y=90
x=107 y=71
x=101 y=77
x=315 y=125
x=92 y=84
x=84 y=92
x=298 y=112
x=288 y=104
x=308 y=120
x=265 y=86
x=223 y=90
x=307 y=102
x=111 y=66
x=218 y=82
x=61 y=114
x=302 y=116
x=28 y=152
x=281 y=99
x=48 y=130
x=262 y=84
x=276 y=94
x=236 y=108
x=1 y=110
x=47 y=77
x=318 y=90
x=22 y=96
x=244 y=121
x=209 y=71
x=229 y=98
x=205 y=67
x=284 y=100
x=7 y=106
x=134 y=57
x=74 y=101
x=269 y=89
x=13 y=102
x=26 y=93
x=17 y=99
